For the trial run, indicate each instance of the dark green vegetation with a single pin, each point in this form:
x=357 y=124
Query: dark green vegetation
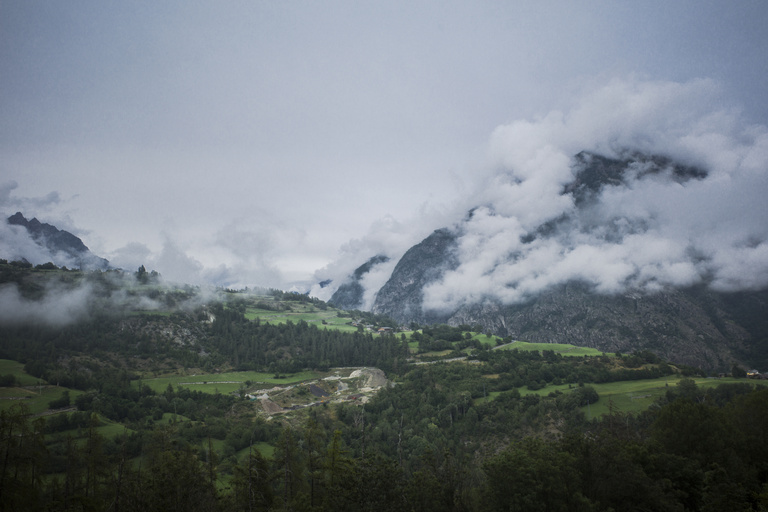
x=502 y=429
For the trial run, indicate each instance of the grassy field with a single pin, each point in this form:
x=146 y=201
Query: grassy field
x=228 y=382
x=17 y=370
x=299 y=312
x=110 y=429
x=33 y=392
x=266 y=449
x=559 y=348
x=635 y=396
x=484 y=339
x=36 y=399
x=630 y=396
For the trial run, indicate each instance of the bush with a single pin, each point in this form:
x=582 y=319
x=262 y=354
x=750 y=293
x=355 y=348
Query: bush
x=61 y=402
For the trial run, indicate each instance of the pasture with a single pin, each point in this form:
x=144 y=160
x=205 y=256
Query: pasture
x=16 y=369
x=629 y=396
x=298 y=312
x=559 y=348
x=228 y=382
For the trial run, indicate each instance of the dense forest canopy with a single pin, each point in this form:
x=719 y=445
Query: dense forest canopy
x=465 y=422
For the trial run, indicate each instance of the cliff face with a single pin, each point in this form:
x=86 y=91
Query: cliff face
x=349 y=295
x=402 y=296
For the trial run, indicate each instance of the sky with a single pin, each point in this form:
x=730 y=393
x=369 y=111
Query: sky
x=280 y=143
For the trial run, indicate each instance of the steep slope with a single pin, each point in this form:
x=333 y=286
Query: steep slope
x=350 y=294
x=402 y=296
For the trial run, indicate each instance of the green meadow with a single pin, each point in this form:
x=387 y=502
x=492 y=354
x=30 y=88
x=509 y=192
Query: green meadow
x=228 y=382
x=636 y=396
x=559 y=348
x=628 y=396
x=33 y=392
x=17 y=370
x=36 y=399
x=297 y=313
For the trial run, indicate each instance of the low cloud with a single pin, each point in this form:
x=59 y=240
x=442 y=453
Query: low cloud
x=61 y=300
x=10 y=201
x=385 y=237
x=58 y=307
x=242 y=253
x=646 y=233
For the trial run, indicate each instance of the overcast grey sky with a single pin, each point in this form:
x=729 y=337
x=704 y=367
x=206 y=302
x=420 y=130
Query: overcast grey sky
x=256 y=142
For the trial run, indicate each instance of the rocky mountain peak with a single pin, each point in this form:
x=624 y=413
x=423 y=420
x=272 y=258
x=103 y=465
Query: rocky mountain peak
x=64 y=247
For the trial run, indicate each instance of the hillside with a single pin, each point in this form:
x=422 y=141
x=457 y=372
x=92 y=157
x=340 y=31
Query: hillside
x=159 y=397
x=595 y=273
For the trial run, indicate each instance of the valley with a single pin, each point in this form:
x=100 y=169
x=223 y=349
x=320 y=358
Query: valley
x=173 y=384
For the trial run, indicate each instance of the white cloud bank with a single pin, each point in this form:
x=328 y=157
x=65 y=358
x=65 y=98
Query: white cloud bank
x=644 y=234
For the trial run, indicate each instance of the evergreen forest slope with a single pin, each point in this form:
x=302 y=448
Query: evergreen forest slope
x=141 y=395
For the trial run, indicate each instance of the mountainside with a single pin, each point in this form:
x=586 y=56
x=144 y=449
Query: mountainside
x=402 y=296
x=64 y=247
x=695 y=326
x=648 y=307
x=349 y=295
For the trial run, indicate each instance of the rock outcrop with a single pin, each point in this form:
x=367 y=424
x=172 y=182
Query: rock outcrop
x=65 y=248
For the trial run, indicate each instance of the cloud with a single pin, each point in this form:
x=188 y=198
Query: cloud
x=15 y=241
x=15 y=244
x=58 y=307
x=648 y=232
x=9 y=201
x=386 y=236
x=244 y=252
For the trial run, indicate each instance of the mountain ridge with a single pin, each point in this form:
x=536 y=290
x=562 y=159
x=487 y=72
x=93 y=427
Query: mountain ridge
x=59 y=242
x=690 y=323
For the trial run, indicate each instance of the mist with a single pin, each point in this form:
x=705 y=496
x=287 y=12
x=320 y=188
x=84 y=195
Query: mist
x=647 y=233
x=68 y=297
x=58 y=307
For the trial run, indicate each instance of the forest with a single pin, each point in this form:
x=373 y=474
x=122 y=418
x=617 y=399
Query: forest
x=498 y=429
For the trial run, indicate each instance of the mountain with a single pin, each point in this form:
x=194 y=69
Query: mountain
x=437 y=281
x=349 y=295
x=693 y=325
x=402 y=296
x=64 y=248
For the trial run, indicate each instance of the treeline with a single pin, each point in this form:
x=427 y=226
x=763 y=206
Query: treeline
x=87 y=354
x=535 y=370
x=699 y=451
x=291 y=347
x=429 y=448
x=91 y=346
